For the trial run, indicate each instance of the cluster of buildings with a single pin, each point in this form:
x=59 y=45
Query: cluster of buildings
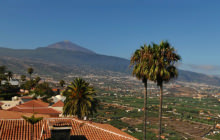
x=53 y=126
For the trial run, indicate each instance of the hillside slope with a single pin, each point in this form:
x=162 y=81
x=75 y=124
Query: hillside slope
x=61 y=61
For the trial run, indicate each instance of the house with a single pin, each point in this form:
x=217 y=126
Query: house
x=70 y=128
x=58 y=97
x=36 y=106
x=58 y=106
x=9 y=104
x=13 y=82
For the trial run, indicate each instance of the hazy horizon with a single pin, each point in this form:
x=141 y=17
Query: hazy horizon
x=117 y=28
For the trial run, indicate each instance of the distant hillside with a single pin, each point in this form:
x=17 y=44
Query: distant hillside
x=67 y=45
x=62 y=58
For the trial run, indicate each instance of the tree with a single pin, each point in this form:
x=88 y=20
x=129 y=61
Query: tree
x=141 y=62
x=10 y=75
x=23 y=78
x=32 y=120
x=37 y=80
x=80 y=99
x=62 y=83
x=44 y=90
x=2 y=73
x=163 y=70
x=30 y=71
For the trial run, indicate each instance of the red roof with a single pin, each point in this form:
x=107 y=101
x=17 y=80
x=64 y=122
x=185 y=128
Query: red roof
x=18 y=115
x=34 y=103
x=20 y=130
x=35 y=106
x=55 y=89
x=58 y=104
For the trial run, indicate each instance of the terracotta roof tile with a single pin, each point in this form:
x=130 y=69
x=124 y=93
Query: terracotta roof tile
x=58 y=104
x=20 y=130
x=18 y=115
x=35 y=106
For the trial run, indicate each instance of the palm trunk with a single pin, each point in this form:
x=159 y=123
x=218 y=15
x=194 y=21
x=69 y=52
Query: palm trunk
x=145 y=109
x=160 y=111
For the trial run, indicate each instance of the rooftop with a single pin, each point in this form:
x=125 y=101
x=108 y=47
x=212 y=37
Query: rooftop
x=20 y=129
x=35 y=106
x=58 y=104
x=18 y=115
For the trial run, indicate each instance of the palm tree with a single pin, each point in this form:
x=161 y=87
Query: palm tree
x=80 y=99
x=32 y=120
x=165 y=58
x=141 y=62
x=30 y=71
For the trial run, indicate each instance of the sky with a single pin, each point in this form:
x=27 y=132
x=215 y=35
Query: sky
x=117 y=27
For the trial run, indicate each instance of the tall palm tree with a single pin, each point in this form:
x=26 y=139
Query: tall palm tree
x=80 y=99
x=32 y=120
x=165 y=58
x=141 y=61
x=30 y=71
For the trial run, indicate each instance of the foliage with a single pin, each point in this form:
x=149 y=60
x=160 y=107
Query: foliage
x=62 y=83
x=3 y=70
x=80 y=99
x=30 y=71
x=165 y=58
x=142 y=62
x=37 y=80
x=23 y=78
x=7 y=91
x=32 y=120
x=43 y=90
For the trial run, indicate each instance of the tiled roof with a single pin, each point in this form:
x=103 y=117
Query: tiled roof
x=18 y=115
x=20 y=129
x=43 y=110
x=35 y=103
x=34 y=106
x=58 y=104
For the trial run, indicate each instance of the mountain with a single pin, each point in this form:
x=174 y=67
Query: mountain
x=62 y=58
x=67 y=45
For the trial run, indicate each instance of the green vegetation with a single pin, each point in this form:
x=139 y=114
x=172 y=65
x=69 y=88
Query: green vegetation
x=7 y=90
x=44 y=91
x=80 y=99
x=141 y=61
x=30 y=71
x=156 y=63
x=62 y=83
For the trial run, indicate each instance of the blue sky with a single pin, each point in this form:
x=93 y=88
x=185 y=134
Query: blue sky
x=117 y=27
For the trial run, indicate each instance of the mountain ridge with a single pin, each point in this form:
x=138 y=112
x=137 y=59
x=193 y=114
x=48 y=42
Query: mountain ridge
x=68 y=45
x=56 y=61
